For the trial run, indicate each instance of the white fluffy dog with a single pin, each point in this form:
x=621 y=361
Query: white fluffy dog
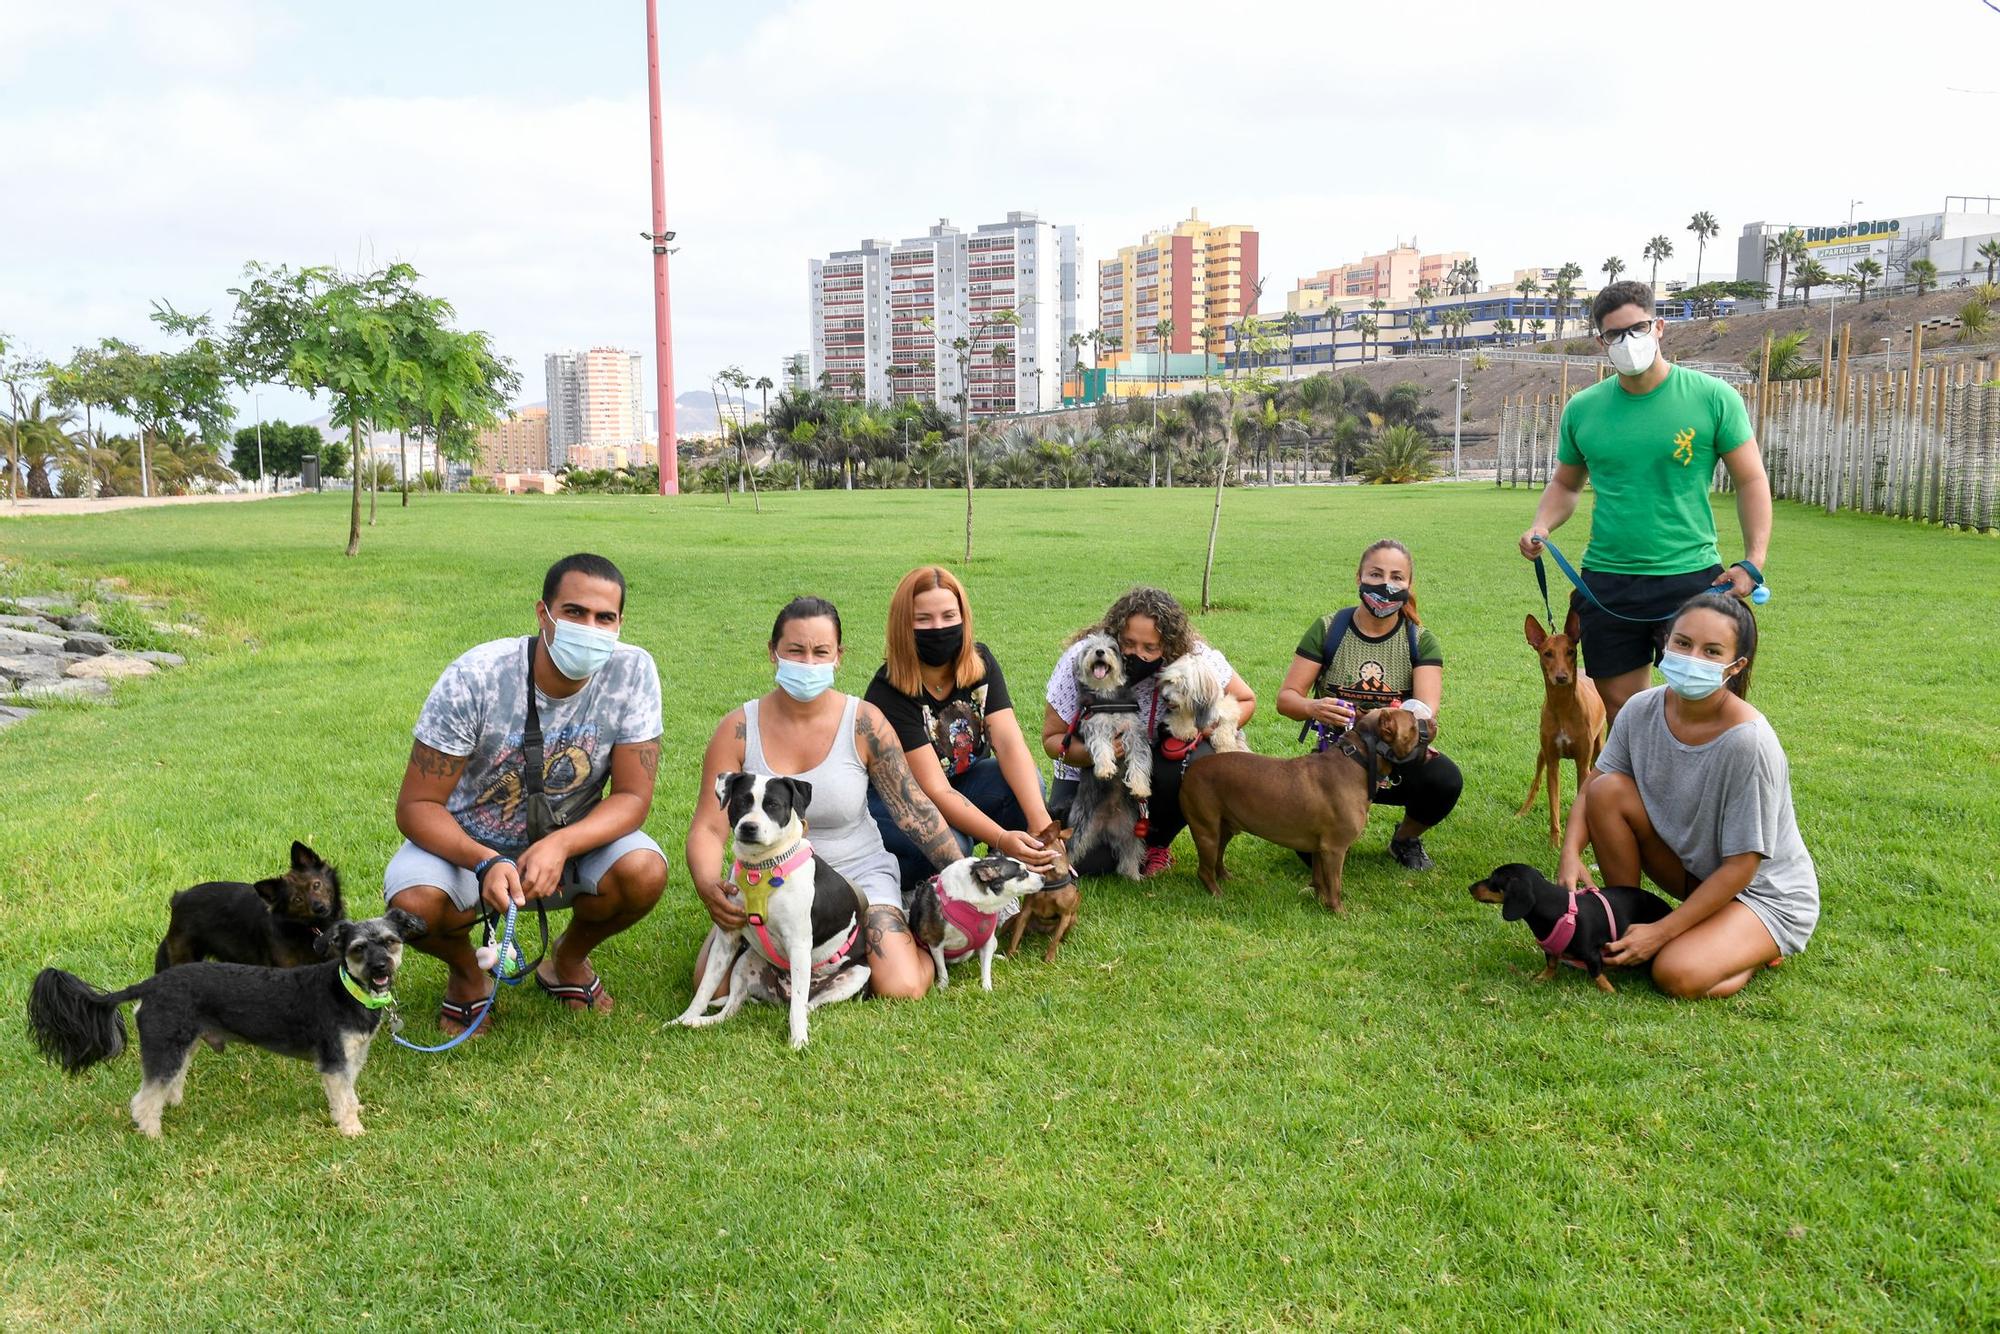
x=1199 y=704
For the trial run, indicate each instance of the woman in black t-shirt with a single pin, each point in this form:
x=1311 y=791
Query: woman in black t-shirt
x=947 y=699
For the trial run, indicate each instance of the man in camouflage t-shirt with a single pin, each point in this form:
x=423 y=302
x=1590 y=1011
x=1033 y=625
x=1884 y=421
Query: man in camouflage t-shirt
x=482 y=835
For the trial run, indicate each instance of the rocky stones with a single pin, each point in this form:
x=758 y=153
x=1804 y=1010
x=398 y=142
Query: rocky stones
x=82 y=621
x=109 y=667
x=10 y=715
x=63 y=605
x=34 y=623
x=28 y=641
x=31 y=667
x=89 y=644
x=161 y=659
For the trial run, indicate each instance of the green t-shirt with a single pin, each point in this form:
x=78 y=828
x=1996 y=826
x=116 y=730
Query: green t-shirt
x=1369 y=673
x=1651 y=457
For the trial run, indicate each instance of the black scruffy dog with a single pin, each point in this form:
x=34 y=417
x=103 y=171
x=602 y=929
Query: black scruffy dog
x=1526 y=895
x=326 y=1014
x=277 y=923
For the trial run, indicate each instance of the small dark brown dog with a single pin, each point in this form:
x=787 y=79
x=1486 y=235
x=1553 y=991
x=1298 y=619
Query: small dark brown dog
x=1051 y=910
x=1568 y=926
x=1313 y=803
x=1572 y=718
x=275 y=923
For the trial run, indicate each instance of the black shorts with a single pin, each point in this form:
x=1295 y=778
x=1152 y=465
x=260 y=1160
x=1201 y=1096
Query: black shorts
x=1612 y=647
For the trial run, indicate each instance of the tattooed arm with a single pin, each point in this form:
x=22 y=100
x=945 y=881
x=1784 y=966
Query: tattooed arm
x=890 y=774
x=420 y=811
x=634 y=764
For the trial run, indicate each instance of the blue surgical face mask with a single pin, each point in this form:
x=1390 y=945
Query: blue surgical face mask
x=579 y=651
x=1691 y=677
x=804 y=681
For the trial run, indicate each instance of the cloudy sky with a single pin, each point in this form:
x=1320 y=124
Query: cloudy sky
x=151 y=148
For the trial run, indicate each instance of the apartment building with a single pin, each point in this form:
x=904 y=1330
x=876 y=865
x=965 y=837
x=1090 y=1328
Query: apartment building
x=517 y=444
x=595 y=397
x=1198 y=275
x=885 y=313
x=1392 y=276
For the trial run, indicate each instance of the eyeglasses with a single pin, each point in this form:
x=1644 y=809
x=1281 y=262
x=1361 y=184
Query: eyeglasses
x=1610 y=336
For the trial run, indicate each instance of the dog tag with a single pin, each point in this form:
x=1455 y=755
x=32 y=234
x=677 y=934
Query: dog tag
x=777 y=881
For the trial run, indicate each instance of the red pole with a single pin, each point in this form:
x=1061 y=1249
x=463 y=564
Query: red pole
x=663 y=329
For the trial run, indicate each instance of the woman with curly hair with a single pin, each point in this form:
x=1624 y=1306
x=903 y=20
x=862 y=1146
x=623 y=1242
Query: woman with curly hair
x=1151 y=630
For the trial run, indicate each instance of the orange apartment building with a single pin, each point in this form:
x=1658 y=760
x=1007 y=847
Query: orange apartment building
x=517 y=444
x=1392 y=276
x=1195 y=274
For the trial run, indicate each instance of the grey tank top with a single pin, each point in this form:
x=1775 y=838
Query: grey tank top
x=842 y=831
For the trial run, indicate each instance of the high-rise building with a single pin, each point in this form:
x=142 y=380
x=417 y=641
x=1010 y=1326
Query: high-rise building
x=1196 y=274
x=595 y=398
x=519 y=443
x=1392 y=276
x=885 y=313
x=797 y=372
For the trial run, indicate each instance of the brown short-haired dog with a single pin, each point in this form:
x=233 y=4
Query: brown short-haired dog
x=1572 y=718
x=1051 y=910
x=1314 y=803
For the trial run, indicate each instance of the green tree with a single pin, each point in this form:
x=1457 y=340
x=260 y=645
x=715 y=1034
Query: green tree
x=1612 y=268
x=1866 y=271
x=1659 y=248
x=371 y=341
x=1564 y=293
x=285 y=448
x=1788 y=361
x=1528 y=288
x=962 y=348
x=1371 y=333
x=42 y=446
x=1810 y=274
x=1705 y=228
x=1787 y=248
x=1990 y=252
x=1923 y=273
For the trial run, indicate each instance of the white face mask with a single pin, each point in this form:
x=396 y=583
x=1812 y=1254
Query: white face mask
x=1634 y=355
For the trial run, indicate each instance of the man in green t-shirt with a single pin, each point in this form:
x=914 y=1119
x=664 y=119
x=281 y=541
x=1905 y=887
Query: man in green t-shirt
x=1647 y=439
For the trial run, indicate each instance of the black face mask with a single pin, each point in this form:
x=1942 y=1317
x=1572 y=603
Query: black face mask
x=1138 y=669
x=1384 y=599
x=937 y=647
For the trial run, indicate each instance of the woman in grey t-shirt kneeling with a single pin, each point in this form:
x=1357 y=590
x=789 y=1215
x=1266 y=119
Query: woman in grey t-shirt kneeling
x=1694 y=789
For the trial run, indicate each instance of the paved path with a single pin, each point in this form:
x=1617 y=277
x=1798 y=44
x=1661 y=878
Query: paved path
x=27 y=506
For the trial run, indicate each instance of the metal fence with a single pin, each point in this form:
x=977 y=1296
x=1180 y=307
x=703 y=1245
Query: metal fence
x=1921 y=444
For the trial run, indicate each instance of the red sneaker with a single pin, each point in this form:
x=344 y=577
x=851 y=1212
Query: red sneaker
x=1157 y=860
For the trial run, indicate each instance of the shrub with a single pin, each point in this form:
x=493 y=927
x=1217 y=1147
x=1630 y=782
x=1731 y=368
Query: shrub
x=1722 y=326
x=1400 y=454
x=1579 y=347
x=1975 y=320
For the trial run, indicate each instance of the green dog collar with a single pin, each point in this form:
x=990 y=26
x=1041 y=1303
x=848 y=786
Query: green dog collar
x=362 y=994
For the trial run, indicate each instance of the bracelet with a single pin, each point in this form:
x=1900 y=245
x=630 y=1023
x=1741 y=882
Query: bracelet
x=1756 y=575
x=479 y=871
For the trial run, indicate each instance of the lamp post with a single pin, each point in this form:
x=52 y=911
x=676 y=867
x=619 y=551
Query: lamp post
x=1457 y=416
x=1833 y=296
x=663 y=351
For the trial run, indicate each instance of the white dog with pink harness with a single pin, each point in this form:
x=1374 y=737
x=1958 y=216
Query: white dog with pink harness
x=956 y=913
x=805 y=917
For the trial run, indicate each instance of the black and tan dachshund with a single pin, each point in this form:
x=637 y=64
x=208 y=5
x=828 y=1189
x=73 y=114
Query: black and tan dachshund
x=1568 y=926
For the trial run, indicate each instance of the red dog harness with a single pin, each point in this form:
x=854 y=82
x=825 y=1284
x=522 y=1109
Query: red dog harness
x=1559 y=936
x=977 y=927
x=771 y=875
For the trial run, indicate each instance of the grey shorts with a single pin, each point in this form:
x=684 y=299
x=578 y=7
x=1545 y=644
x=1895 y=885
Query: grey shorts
x=413 y=866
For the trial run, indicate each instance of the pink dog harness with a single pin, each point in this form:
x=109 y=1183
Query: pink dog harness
x=977 y=927
x=1559 y=936
x=763 y=877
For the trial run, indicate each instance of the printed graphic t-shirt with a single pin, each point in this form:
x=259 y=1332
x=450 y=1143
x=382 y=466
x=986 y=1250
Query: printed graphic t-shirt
x=1369 y=673
x=1651 y=457
x=955 y=726
x=479 y=708
x=1063 y=697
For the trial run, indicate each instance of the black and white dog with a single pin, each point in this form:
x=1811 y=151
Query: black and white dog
x=327 y=1014
x=803 y=945
x=1103 y=810
x=956 y=913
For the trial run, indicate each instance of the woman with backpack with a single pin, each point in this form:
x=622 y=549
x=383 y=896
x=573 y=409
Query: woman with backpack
x=1378 y=655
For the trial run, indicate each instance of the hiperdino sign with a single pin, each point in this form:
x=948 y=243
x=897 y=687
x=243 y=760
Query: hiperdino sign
x=1859 y=231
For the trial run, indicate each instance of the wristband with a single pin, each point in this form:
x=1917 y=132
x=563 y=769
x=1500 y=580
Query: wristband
x=1756 y=575
x=479 y=871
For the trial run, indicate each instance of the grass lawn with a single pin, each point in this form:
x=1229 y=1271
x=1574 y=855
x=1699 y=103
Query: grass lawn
x=1241 y=1112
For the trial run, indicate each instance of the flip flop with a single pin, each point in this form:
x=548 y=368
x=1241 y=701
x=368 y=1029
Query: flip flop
x=585 y=996
x=465 y=1014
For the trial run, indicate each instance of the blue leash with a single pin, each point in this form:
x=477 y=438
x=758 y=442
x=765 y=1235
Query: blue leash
x=1759 y=595
x=510 y=967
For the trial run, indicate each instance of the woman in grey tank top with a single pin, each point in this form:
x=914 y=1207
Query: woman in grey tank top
x=841 y=745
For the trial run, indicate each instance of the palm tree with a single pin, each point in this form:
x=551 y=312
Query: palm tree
x=1704 y=226
x=1787 y=361
x=1990 y=252
x=1162 y=331
x=1371 y=331
x=1528 y=288
x=1419 y=327
x=1810 y=274
x=40 y=443
x=1659 y=248
x=1923 y=273
x=1399 y=454
x=1564 y=293
x=1786 y=247
x=1865 y=271
x=1612 y=268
